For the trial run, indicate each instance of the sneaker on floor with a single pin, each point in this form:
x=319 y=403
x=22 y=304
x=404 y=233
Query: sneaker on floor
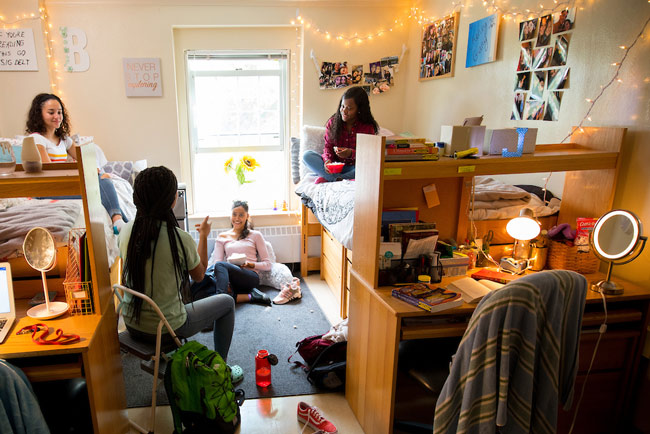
x=320 y=180
x=311 y=416
x=259 y=297
x=288 y=293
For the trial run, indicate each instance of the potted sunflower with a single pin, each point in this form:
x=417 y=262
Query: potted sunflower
x=243 y=165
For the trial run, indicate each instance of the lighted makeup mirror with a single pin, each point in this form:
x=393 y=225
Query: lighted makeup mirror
x=616 y=239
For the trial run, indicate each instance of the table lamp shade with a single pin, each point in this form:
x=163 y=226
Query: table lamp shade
x=524 y=227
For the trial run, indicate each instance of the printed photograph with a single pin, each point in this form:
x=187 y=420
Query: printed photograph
x=375 y=71
x=389 y=61
x=557 y=78
x=561 y=50
x=380 y=87
x=542 y=57
x=523 y=81
x=388 y=74
x=357 y=74
x=527 y=29
x=553 y=106
x=537 y=85
x=545 y=30
x=525 y=57
x=342 y=80
x=534 y=110
x=518 y=106
x=564 y=20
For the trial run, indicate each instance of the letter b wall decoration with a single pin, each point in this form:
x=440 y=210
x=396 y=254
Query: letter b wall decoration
x=74 y=42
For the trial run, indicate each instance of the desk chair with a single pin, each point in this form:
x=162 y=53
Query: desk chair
x=148 y=352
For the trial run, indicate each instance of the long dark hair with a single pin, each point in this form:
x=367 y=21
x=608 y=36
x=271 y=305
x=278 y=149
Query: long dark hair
x=247 y=226
x=35 y=122
x=154 y=192
x=364 y=115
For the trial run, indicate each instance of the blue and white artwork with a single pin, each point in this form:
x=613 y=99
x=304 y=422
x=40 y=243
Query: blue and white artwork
x=482 y=41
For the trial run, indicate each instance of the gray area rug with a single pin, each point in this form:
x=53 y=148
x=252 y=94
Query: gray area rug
x=276 y=329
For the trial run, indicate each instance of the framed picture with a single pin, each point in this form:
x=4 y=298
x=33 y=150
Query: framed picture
x=482 y=41
x=439 y=48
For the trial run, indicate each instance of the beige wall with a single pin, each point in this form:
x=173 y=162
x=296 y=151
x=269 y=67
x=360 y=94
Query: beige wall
x=601 y=26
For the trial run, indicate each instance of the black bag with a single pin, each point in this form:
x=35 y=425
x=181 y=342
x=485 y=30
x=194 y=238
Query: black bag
x=328 y=370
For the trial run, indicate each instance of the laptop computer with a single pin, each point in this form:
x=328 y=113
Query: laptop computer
x=7 y=307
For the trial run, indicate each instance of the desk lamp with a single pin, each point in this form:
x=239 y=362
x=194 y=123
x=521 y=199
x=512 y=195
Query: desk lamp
x=523 y=229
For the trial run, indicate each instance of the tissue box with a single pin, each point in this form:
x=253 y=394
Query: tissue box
x=460 y=138
x=496 y=140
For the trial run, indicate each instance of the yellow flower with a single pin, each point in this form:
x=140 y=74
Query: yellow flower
x=249 y=163
x=228 y=166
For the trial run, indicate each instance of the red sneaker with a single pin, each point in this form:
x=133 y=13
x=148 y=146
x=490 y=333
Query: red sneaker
x=311 y=416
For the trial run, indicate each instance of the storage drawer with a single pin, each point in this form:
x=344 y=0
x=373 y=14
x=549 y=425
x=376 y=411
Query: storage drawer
x=614 y=350
x=332 y=275
x=332 y=249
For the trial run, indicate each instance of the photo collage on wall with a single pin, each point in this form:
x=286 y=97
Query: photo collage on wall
x=438 y=48
x=542 y=74
x=378 y=78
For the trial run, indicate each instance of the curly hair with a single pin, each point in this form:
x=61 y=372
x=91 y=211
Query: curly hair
x=364 y=115
x=35 y=122
x=154 y=192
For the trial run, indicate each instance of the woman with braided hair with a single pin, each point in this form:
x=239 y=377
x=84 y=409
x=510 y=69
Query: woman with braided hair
x=159 y=258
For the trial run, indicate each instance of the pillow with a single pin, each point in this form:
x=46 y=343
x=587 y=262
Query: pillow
x=312 y=138
x=127 y=170
x=295 y=160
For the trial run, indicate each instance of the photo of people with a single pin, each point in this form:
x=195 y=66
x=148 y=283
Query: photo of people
x=564 y=20
x=357 y=74
x=334 y=75
x=561 y=50
x=557 y=78
x=523 y=81
x=380 y=87
x=545 y=30
x=438 y=41
x=537 y=85
x=342 y=81
x=534 y=110
x=527 y=29
x=525 y=57
x=553 y=106
x=518 y=107
x=325 y=80
x=542 y=57
x=374 y=73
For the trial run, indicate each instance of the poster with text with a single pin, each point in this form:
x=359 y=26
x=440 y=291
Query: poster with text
x=142 y=77
x=17 y=52
x=482 y=41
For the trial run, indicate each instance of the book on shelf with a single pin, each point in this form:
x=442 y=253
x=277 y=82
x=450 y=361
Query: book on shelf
x=428 y=297
x=418 y=242
x=397 y=215
x=412 y=157
x=395 y=229
x=412 y=150
x=403 y=141
x=495 y=276
x=472 y=291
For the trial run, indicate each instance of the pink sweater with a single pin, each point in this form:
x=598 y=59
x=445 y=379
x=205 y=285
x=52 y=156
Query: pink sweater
x=251 y=246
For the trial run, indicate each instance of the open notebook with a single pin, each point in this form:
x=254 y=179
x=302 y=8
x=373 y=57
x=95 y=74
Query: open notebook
x=7 y=307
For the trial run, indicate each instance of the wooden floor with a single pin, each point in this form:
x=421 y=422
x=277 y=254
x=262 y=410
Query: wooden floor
x=278 y=415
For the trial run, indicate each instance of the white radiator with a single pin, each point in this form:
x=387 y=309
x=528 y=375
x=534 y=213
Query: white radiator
x=284 y=239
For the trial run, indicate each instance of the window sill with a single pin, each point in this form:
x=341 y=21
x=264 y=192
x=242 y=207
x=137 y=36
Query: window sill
x=259 y=218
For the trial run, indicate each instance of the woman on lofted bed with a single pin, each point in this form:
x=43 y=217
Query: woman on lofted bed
x=352 y=116
x=48 y=123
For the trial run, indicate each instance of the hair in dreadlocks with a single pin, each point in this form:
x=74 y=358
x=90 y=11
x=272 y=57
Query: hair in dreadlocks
x=247 y=226
x=364 y=115
x=154 y=192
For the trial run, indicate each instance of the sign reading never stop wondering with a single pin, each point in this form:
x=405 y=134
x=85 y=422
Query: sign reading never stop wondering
x=17 y=52
x=142 y=76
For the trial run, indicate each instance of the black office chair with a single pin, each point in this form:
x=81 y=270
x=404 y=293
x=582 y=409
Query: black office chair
x=154 y=356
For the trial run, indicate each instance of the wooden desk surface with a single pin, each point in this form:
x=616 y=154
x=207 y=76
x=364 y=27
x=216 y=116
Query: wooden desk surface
x=22 y=345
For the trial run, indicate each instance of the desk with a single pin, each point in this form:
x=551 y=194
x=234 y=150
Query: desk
x=376 y=326
x=92 y=358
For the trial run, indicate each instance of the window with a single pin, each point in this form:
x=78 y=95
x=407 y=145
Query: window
x=237 y=107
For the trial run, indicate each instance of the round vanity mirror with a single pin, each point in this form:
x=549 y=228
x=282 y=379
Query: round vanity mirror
x=616 y=239
x=40 y=254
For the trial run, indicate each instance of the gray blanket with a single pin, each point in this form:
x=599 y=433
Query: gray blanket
x=57 y=216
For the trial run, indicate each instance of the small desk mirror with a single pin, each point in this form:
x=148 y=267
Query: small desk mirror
x=616 y=239
x=40 y=254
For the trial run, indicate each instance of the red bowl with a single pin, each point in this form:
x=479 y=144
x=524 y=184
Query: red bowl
x=335 y=167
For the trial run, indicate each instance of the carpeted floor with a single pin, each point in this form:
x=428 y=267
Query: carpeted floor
x=276 y=329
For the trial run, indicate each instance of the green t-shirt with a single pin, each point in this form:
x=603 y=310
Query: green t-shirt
x=166 y=294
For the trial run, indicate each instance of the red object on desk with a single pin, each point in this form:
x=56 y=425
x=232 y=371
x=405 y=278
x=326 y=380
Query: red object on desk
x=495 y=276
x=335 y=167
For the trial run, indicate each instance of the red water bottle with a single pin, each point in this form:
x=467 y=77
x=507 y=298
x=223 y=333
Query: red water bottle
x=262 y=369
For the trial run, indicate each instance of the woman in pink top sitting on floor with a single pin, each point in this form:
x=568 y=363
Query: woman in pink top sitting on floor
x=353 y=116
x=243 y=280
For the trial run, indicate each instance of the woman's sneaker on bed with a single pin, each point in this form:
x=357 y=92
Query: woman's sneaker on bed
x=117 y=226
x=320 y=180
x=289 y=292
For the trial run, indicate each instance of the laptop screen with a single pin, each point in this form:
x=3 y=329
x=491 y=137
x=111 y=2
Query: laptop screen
x=5 y=306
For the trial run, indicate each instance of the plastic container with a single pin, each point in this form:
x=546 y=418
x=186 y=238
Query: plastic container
x=262 y=369
x=335 y=167
x=424 y=278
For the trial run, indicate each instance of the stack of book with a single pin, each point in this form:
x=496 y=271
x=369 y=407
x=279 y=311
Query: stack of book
x=409 y=149
x=428 y=297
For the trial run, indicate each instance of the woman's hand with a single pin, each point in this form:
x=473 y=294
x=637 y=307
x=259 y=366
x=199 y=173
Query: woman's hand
x=325 y=163
x=204 y=227
x=343 y=152
x=248 y=264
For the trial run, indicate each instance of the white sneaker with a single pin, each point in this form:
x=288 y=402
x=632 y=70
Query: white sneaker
x=289 y=292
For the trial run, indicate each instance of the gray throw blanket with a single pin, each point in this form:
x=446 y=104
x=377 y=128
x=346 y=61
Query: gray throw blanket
x=57 y=216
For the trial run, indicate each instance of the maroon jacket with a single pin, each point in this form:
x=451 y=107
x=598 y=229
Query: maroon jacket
x=347 y=139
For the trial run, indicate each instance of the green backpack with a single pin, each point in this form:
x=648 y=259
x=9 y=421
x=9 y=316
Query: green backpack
x=200 y=391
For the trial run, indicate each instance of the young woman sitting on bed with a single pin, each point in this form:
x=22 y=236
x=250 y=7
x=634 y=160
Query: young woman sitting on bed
x=352 y=116
x=48 y=123
x=235 y=261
